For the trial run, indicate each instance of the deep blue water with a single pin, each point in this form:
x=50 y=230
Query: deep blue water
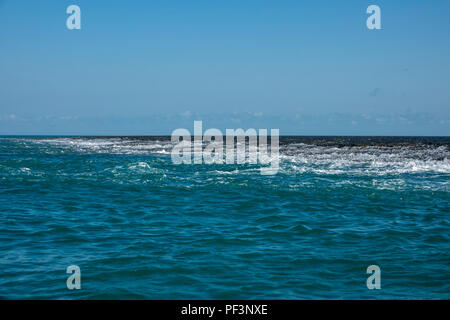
x=139 y=226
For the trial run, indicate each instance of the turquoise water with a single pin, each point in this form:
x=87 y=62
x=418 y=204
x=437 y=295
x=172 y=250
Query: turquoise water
x=140 y=227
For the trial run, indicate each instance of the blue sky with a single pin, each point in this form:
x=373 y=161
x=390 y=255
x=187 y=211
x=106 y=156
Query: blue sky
x=149 y=67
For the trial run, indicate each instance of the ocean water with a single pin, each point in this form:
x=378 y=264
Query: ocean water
x=140 y=227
